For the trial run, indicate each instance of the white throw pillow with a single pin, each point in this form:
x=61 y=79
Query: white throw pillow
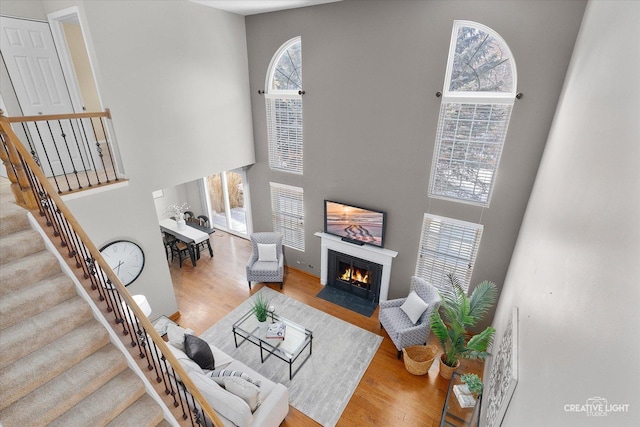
x=244 y=390
x=176 y=336
x=414 y=306
x=225 y=403
x=267 y=252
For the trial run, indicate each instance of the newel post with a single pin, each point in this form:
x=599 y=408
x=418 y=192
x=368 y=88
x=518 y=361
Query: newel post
x=20 y=186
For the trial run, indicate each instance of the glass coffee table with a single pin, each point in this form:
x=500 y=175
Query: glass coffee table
x=297 y=338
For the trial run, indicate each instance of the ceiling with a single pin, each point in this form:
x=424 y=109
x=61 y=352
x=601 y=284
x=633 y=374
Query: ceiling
x=252 y=7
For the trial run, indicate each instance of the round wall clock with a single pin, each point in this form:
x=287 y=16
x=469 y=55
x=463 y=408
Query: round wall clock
x=125 y=258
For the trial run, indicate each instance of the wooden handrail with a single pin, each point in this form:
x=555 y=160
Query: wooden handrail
x=15 y=147
x=21 y=119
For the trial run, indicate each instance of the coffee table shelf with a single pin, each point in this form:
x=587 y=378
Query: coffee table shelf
x=297 y=339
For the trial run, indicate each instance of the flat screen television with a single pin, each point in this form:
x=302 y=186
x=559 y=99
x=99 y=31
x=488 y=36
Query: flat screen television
x=354 y=224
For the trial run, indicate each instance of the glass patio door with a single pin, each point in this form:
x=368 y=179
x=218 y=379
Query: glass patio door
x=226 y=194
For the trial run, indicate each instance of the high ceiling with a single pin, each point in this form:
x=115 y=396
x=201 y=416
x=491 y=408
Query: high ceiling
x=252 y=7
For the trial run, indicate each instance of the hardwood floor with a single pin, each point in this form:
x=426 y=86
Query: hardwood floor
x=387 y=394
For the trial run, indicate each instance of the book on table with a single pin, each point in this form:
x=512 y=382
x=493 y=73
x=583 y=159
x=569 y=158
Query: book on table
x=465 y=398
x=276 y=331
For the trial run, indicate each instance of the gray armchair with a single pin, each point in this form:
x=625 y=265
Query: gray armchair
x=266 y=263
x=399 y=326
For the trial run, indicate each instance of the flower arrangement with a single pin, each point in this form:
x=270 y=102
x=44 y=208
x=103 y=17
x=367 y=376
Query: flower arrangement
x=177 y=211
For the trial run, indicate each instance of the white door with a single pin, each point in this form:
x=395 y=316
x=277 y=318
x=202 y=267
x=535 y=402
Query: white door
x=34 y=68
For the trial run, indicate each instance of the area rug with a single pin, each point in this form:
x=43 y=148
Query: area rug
x=347 y=300
x=323 y=386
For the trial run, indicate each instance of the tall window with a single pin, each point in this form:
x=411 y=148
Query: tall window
x=287 y=210
x=447 y=246
x=283 y=99
x=480 y=88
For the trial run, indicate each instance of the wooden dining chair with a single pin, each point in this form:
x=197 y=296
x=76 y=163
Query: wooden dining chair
x=203 y=220
x=167 y=239
x=181 y=249
x=190 y=216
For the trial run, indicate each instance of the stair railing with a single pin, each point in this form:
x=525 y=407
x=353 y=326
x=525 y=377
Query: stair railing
x=74 y=150
x=34 y=191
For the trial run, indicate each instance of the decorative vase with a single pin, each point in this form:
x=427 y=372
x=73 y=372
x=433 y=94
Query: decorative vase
x=263 y=326
x=181 y=224
x=447 y=371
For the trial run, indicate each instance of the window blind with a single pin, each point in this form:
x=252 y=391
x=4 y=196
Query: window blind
x=284 y=132
x=447 y=246
x=469 y=144
x=287 y=209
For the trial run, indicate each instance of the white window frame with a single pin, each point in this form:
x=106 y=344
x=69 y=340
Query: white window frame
x=279 y=158
x=471 y=98
x=447 y=245
x=288 y=218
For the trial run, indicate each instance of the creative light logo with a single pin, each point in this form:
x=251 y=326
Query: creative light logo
x=596 y=407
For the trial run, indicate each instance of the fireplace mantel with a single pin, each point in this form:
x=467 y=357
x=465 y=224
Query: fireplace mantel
x=381 y=256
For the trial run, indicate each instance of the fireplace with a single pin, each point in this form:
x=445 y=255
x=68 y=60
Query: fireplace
x=382 y=256
x=357 y=276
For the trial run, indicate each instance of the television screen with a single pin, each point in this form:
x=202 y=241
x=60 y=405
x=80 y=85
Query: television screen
x=353 y=223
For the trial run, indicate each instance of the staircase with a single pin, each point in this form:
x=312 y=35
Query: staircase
x=57 y=364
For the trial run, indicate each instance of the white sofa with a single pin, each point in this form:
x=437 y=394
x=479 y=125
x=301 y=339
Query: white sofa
x=233 y=410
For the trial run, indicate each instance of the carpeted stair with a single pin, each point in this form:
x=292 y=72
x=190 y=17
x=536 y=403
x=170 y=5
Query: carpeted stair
x=57 y=365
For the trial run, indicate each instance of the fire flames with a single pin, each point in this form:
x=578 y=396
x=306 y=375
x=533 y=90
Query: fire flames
x=355 y=275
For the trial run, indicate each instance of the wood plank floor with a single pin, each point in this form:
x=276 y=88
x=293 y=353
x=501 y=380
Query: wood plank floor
x=387 y=394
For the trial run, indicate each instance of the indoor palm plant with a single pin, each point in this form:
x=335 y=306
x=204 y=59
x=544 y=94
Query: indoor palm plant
x=460 y=312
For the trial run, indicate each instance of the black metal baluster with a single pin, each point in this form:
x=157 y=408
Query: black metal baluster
x=99 y=150
x=80 y=150
x=46 y=155
x=91 y=159
x=106 y=138
x=66 y=146
x=27 y=134
x=55 y=146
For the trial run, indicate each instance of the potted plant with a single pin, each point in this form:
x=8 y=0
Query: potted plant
x=460 y=312
x=473 y=382
x=260 y=308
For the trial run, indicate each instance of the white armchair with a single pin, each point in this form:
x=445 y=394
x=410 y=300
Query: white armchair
x=266 y=263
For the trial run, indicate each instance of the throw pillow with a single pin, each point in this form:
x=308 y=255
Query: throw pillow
x=199 y=351
x=244 y=390
x=188 y=364
x=218 y=376
x=414 y=306
x=225 y=403
x=176 y=334
x=267 y=252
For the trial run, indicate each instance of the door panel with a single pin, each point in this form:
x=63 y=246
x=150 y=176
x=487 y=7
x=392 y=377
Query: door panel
x=31 y=58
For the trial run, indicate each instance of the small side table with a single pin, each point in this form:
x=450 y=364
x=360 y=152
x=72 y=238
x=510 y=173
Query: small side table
x=453 y=414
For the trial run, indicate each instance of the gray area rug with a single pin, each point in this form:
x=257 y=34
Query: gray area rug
x=323 y=386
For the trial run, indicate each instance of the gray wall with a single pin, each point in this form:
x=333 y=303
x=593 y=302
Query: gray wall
x=370 y=72
x=575 y=270
x=174 y=74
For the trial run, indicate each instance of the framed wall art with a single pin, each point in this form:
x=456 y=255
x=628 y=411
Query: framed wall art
x=503 y=375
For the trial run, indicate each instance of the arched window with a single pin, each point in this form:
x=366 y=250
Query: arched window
x=284 y=108
x=478 y=95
